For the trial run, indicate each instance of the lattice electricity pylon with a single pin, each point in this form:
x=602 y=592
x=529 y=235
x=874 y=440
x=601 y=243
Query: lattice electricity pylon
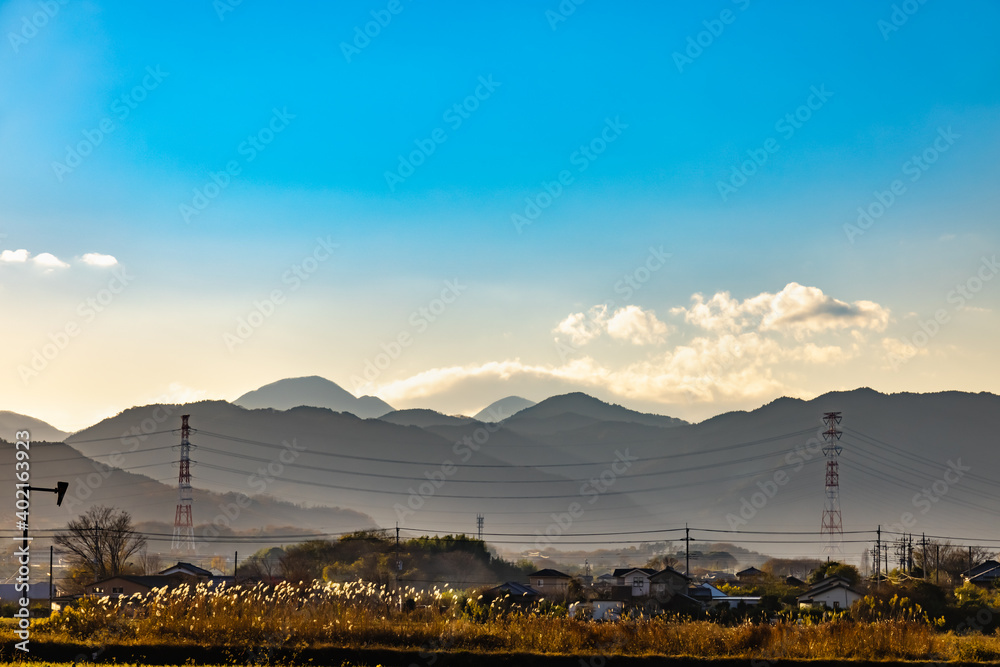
x=183 y=539
x=832 y=529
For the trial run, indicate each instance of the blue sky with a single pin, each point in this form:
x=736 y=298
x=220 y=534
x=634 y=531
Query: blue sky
x=329 y=127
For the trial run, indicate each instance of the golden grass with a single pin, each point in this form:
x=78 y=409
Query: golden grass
x=361 y=615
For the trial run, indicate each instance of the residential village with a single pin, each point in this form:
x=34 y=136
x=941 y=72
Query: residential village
x=625 y=592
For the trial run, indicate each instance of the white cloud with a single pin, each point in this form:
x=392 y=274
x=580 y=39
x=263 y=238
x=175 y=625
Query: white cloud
x=14 y=256
x=636 y=326
x=97 y=259
x=796 y=309
x=581 y=328
x=898 y=351
x=630 y=323
x=740 y=353
x=49 y=261
x=707 y=369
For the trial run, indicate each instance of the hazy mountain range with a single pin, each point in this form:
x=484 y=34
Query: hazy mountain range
x=566 y=468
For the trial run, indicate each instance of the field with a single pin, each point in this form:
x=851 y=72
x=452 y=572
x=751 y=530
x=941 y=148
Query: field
x=289 y=623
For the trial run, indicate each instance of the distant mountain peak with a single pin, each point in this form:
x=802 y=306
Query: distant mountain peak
x=588 y=406
x=312 y=391
x=502 y=409
x=40 y=430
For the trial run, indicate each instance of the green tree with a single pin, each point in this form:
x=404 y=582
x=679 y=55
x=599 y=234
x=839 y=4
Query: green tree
x=835 y=569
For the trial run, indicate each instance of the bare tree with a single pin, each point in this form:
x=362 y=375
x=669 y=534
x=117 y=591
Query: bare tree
x=101 y=541
x=148 y=563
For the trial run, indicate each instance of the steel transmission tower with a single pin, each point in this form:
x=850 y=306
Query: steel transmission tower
x=479 y=526
x=183 y=540
x=832 y=529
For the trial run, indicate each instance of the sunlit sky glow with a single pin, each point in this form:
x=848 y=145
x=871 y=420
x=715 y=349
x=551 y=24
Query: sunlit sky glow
x=655 y=203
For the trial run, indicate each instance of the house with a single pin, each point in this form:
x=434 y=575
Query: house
x=795 y=581
x=517 y=592
x=831 y=593
x=667 y=583
x=186 y=568
x=711 y=597
x=607 y=610
x=750 y=575
x=631 y=582
x=550 y=583
x=982 y=568
x=987 y=578
x=124 y=585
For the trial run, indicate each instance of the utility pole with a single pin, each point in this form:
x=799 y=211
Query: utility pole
x=909 y=561
x=236 y=563
x=970 y=562
x=937 y=563
x=923 y=555
x=878 y=554
x=50 y=578
x=687 y=550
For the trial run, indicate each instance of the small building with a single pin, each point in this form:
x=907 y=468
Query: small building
x=631 y=582
x=517 y=592
x=607 y=610
x=667 y=583
x=987 y=578
x=795 y=581
x=831 y=593
x=750 y=575
x=188 y=569
x=980 y=569
x=550 y=583
x=124 y=585
x=711 y=597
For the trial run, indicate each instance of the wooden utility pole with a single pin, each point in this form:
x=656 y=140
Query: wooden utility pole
x=923 y=556
x=687 y=550
x=878 y=554
x=50 y=578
